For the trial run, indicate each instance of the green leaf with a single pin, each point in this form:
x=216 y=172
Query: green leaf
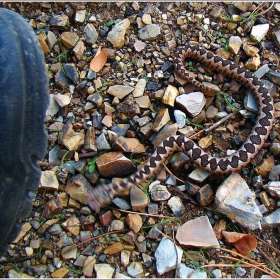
x=118 y=20
x=109 y=23
x=91 y=168
x=223 y=40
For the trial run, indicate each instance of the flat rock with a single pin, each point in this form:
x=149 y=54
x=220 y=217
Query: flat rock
x=51 y=208
x=70 y=139
x=71 y=72
x=80 y=16
x=168 y=256
x=77 y=187
x=139 y=88
x=197 y=232
x=199 y=175
x=235 y=199
x=24 y=229
x=120 y=91
x=143 y=101
x=251 y=50
x=102 y=143
x=114 y=164
x=69 y=39
x=88 y=266
x=162 y=118
x=79 y=50
x=69 y=252
x=198 y=274
x=129 y=145
x=117 y=225
x=253 y=63
x=90 y=33
x=191 y=103
x=138 y=199
x=183 y=271
x=60 y=273
x=104 y=271
x=273 y=188
x=49 y=180
x=114 y=248
x=61 y=21
x=117 y=34
x=204 y=195
x=259 y=31
x=134 y=222
x=139 y=45
x=149 y=32
x=180 y=118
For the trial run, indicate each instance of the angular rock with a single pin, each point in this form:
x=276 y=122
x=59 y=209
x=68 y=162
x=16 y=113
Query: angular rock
x=149 y=32
x=62 y=99
x=161 y=119
x=60 y=273
x=235 y=199
x=198 y=274
x=191 y=103
x=49 y=180
x=139 y=88
x=125 y=255
x=272 y=220
x=69 y=252
x=61 y=21
x=134 y=222
x=138 y=199
x=120 y=91
x=117 y=34
x=71 y=72
x=90 y=143
x=79 y=50
x=52 y=208
x=265 y=167
x=80 y=16
x=114 y=164
x=114 y=248
x=235 y=44
x=159 y=193
x=90 y=33
x=250 y=50
x=168 y=256
x=69 y=39
x=88 y=266
x=205 y=195
x=253 y=63
x=53 y=106
x=180 y=118
x=170 y=95
x=259 y=31
x=129 y=145
x=273 y=188
x=143 y=101
x=183 y=271
x=197 y=232
x=139 y=45
x=273 y=76
x=24 y=229
x=102 y=143
x=78 y=187
x=72 y=225
x=70 y=139
x=199 y=175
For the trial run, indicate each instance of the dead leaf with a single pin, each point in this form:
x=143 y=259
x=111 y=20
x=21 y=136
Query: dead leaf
x=98 y=61
x=218 y=228
x=244 y=243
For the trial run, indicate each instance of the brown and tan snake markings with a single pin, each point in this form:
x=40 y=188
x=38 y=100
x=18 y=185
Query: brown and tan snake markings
x=103 y=194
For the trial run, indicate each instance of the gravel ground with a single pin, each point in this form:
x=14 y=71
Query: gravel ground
x=120 y=100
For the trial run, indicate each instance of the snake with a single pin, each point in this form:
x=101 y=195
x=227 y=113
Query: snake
x=103 y=194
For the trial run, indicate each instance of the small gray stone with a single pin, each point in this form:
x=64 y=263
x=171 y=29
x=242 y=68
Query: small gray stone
x=261 y=71
x=53 y=106
x=135 y=270
x=176 y=205
x=121 y=203
x=273 y=76
x=102 y=143
x=61 y=21
x=120 y=91
x=51 y=39
x=117 y=34
x=180 y=118
x=149 y=32
x=159 y=193
x=240 y=271
x=90 y=33
x=217 y=273
x=250 y=102
x=198 y=274
x=72 y=72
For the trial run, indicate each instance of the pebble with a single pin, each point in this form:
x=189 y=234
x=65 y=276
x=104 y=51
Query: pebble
x=117 y=34
x=53 y=106
x=259 y=31
x=114 y=248
x=168 y=256
x=149 y=32
x=191 y=103
x=272 y=220
x=250 y=102
x=265 y=167
x=170 y=95
x=88 y=266
x=235 y=199
x=69 y=252
x=60 y=273
x=134 y=222
x=176 y=205
x=250 y=50
x=199 y=175
x=234 y=44
x=240 y=271
x=49 y=180
x=80 y=16
x=143 y=101
x=253 y=63
x=103 y=270
x=102 y=143
x=139 y=88
x=139 y=45
x=61 y=21
x=72 y=225
x=204 y=195
x=162 y=118
x=273 y=76
x=273 y=188
x=135 y=270
x=166 y=131
x=121 y=203
x=72 y=140
x=180 y=118
x=217 y=273
x=198 y=274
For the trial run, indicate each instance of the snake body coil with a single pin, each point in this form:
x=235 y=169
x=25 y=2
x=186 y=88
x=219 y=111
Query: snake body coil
x=103 y=194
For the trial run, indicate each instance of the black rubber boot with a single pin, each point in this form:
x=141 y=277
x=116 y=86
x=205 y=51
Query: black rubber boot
x=24 y=99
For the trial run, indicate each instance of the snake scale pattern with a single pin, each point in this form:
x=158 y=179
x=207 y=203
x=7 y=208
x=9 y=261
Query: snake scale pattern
x=103 y=194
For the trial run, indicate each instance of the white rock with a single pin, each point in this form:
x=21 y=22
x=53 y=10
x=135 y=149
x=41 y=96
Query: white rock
x=103 y=270
x=235 y=199
x=135 y=270
x=184 y=271
x=80 y=16
x=199 y=274
x=180 y=118
x=217 y=273
x=125 y=255
x=121 y=276
x=199 y=175
x=167 y=257
x=176 y=205
x=49 y=180
x=259 y=31
x=192 y=102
